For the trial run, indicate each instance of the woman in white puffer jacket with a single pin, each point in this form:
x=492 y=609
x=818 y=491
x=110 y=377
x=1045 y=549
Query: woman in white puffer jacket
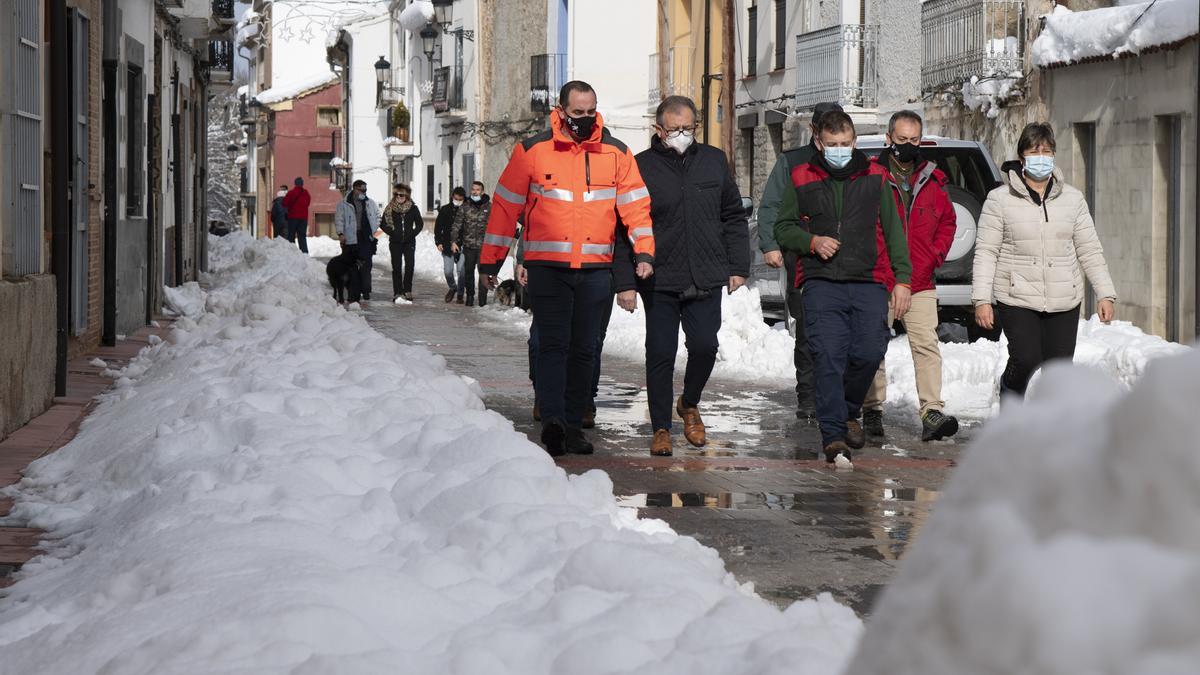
x=1036 y=242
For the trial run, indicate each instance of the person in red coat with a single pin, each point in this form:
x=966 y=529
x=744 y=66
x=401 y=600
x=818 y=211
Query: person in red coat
x=296 y=202
x=929 y=224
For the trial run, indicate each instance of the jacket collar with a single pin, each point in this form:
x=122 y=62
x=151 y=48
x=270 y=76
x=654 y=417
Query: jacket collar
x=1017 y=185
x=563 y=140
x=926 y=171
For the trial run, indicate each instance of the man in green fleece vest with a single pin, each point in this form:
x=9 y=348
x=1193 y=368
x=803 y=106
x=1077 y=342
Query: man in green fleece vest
x=779 y=182
x=840 y=219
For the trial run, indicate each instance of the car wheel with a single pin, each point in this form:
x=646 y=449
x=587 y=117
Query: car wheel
x=961 y=258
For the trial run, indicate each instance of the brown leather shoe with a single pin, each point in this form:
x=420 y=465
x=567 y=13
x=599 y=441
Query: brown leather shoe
x=834 y=449
x=693 y=426
x=855 y=437
x=661 y=445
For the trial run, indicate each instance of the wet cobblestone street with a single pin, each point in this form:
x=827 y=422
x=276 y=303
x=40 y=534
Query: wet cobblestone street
x=759 y=493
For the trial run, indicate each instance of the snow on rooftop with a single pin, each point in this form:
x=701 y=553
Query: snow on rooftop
x=1072 y=37
x=294 y=88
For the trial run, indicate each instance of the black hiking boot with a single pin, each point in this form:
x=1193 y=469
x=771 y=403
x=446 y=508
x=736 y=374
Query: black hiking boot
x=553 y=434
x=935 y=426
x=873 y=423
x=577 y=443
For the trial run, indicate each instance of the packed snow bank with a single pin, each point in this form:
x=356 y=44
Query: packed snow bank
x=1111 y=31
x=279 y=488
x=185 y=300
x=1066 y=541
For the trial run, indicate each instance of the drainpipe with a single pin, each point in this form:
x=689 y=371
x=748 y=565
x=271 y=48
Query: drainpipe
x=177 y=172
x=111 y=54
x=60 y=173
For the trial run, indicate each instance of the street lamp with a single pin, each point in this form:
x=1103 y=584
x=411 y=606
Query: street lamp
x=429 y=37
x=445 y=12
x=383 y=71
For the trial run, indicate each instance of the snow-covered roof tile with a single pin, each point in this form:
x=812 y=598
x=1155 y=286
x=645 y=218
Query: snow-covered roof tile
x=1111 y=32
x=297 y=88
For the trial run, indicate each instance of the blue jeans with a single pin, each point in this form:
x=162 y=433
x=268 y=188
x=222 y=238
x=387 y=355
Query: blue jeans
x=451 y=268
x=701 y=320
x=605 y=317
x=567 y=307
x=846 y=325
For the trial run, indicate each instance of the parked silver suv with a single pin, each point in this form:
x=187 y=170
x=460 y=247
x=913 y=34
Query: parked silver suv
x=972 y=174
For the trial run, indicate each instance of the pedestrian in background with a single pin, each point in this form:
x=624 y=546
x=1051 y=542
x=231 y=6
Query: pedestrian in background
x=778 y=183
x=402 y=222
x=570 y=183
x=279 y=219
x=470 y=225
x=452 y=263
x=297 y=202
x=929 y=224
x=702 y=246
x=841 y=220
x=1036 y=243
x=356 y=220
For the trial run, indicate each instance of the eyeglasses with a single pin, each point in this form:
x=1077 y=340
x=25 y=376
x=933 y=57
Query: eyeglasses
x=675 y=133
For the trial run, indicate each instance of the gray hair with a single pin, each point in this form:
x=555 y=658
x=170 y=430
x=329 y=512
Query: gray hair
x=904 y=115
x=674 y=104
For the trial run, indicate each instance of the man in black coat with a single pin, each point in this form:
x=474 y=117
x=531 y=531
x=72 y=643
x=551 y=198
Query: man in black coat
x=701 y=245
x=452 y=263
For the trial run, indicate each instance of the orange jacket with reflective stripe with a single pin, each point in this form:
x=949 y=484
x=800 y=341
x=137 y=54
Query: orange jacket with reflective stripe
x=570 y=195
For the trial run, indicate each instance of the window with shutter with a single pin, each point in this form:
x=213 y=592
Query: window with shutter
x=23 y=202
x=752 y=32
x=780 y=34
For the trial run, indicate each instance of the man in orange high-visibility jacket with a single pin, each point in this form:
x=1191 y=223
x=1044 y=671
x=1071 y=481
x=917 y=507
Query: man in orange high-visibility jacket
x=569 y=185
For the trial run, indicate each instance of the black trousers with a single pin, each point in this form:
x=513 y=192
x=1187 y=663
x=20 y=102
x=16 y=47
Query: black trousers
x=403 y=253
x=1034 y=338
x=802 y=355
x=470 y=262
x=701 y=320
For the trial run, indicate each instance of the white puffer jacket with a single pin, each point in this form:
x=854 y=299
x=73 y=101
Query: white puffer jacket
x=1035 y=255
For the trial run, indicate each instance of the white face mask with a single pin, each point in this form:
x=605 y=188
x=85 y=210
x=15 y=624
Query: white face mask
x=458 y=202
x=680 y=142
x=281 y=193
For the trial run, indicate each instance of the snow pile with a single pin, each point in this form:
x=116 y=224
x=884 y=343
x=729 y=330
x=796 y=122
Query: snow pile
x=1066 y=541
x=989 y=94
x=293 y=88
x=414 y=17
x=278 y=488
x=185 y=300
x=1070 y=37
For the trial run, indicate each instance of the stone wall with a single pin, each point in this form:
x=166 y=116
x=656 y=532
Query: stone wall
x=510 y=33
x=26 y=350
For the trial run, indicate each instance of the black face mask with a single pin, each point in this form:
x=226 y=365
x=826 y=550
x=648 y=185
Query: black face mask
x=906 y=153
x=581 y=127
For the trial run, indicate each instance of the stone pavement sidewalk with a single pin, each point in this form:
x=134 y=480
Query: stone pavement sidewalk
x=760 y=493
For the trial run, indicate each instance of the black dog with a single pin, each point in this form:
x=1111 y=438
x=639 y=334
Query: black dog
x=511 y=294
x=344 y=277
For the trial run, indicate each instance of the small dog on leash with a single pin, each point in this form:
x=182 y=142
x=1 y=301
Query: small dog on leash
x=510 y=294
x=344 y=277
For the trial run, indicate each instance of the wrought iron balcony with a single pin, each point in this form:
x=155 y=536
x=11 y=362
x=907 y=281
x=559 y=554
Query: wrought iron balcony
x=223 y=11
x=447 y=89
x=672 y=77
x=220 y=60
x=837 y=64
x=971 y=38
x=547 y=75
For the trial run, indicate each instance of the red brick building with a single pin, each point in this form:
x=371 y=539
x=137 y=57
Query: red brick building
x=306 y=135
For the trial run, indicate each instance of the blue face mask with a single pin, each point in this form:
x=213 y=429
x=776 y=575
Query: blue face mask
x=838 y=158
x=1039 y=167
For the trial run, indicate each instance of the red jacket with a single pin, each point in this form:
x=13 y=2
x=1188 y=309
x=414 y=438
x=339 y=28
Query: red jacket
x=569 y=195
x=929 y=223
x=296 y=202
